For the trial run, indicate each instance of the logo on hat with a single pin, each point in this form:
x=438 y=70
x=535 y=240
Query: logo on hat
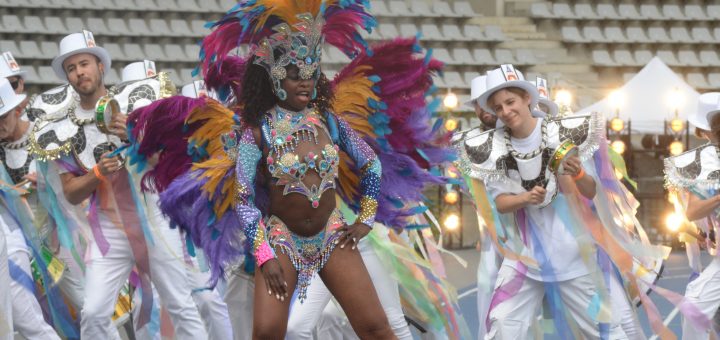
x=89 y=39
x=150 y=68
x=200 y=88
x=10 y=61
x=541 y=85
x=509 y=72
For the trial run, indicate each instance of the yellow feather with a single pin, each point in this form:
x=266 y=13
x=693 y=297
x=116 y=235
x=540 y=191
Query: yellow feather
x=351 y=103
x=286 y=10
x=216 y=121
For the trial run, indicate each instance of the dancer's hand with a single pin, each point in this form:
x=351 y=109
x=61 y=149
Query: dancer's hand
x=118 y=126
x=572 y=166
x=535 y=196
x=352 y=234
x=274 y=280
x=32 y=178
x=109 y=165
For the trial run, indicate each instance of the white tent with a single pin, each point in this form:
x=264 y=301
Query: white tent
x=646 y=99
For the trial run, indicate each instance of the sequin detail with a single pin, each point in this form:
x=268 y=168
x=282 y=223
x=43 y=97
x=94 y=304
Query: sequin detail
x=307 y=254
x=287 y=130
x=248 y=214
x=370 y=170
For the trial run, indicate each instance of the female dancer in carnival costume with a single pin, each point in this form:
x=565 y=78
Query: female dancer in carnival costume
x=277 y=157
x=547 y=216
x=692 y=178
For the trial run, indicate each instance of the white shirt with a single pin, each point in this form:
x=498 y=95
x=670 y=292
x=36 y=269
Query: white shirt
x=555 y=239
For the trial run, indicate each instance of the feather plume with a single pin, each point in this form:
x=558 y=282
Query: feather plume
x=382 y=95
x=251 y=21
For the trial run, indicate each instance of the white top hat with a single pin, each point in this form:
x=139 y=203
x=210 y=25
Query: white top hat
x=196 y=89
x=138 y=70
x=504 y=77
x=9 y=67
x=8 y=99
x=544 y=97
x=477 y=87
x=77 y=43
x=708 y=106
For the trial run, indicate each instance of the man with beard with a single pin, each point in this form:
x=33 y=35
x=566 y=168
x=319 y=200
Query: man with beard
x=477 y=88
x=75 y=145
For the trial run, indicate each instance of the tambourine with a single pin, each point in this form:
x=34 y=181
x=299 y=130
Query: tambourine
x=107 y=107
x=562 y=152
x=556 y=165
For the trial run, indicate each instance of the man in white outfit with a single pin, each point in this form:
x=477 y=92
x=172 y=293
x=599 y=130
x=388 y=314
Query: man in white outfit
x=6 y=329
x=27 y=314
x=704 y=290
x=113 y=255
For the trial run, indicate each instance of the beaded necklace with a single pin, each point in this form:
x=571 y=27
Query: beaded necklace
x=517 y=155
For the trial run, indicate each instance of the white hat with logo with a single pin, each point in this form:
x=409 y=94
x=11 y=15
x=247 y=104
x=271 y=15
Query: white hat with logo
x=544 y=97
x=8 y=98
x=477 y=87
x=77 y=43
x=505 y=77
x=196 y=89
x=9 y=67
x=138 y=70
x=708 y=107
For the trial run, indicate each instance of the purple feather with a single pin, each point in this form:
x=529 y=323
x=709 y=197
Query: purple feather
x=187 y=206
x=160 y=126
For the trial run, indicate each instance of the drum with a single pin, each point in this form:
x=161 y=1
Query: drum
x=107 y=107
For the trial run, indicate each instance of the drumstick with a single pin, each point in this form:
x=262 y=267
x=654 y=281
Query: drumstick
x=22 y=183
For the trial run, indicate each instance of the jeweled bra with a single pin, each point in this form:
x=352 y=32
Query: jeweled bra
x=285 y=131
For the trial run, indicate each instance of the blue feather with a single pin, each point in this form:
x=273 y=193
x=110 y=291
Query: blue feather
x=422 y=154
x=416 y=226
x=438 y=124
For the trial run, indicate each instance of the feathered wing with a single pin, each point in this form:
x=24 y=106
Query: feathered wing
x=195 y=172
x=159 y=128
x=382 y=95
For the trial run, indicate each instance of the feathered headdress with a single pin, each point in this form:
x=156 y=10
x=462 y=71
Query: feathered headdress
x=285 y=32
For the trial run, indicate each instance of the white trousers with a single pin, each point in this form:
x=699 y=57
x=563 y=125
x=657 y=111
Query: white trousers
x=239 y=299
x=27 y=314
x=304 y=317
x=6 y=328
x=105 y=275
x=623 y=311
x=71 y=284
x=213 y=310
x=487 y=272
x=511 y=319
x=704 y=292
